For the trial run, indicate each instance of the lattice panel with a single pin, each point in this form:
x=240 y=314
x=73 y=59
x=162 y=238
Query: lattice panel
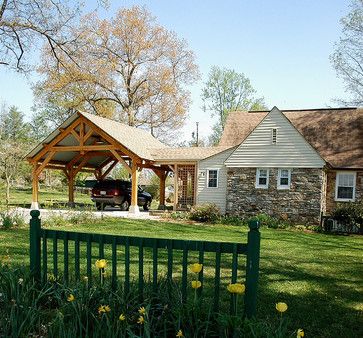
x=186 y=183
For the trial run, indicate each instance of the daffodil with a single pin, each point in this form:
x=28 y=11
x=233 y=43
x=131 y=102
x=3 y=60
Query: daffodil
x=180 y=333
x=101 y=263
x=71 y=298
x=300 y=333
x=141 y=320
x=281 y=307
x=237 y=288
x=142 y=310
x=196 y=267
x=196 y=284
x=20 y=281
x=104 y=309
x=122 y=317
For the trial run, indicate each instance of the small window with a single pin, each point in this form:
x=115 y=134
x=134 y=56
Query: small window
x=284 y=179
x=274 y=136
x=262 y=176
x=345 y=186
x=212 y=178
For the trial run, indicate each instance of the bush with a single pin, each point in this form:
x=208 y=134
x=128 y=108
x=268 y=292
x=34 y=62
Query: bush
x=207 y=212
x=270 y=222
x=350 y=215
x=233 y=220
x=11 y=218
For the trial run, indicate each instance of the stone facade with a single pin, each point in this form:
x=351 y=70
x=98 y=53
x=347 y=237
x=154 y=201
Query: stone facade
x=302 y=203
x=331 y=203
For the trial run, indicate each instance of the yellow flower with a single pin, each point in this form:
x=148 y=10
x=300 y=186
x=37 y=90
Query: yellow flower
x=101 y=263
x=196 y=267
x=300 y=333
x=180 y=333
x=281 y=307
x=236 y=288
x=70 y=298
x=104 y=309
x=142 y=310
x=196 y=284
x=122 y=317
x=141 y=320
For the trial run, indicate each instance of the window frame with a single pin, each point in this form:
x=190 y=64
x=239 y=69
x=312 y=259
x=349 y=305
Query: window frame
x=283 y=187
x=258 y=176
x=336 y=198
x=207 y=183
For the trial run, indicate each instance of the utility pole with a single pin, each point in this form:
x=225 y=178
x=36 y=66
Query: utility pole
x=197 y=138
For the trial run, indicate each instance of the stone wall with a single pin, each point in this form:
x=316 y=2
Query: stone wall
x=302 y=203
x=331 y=203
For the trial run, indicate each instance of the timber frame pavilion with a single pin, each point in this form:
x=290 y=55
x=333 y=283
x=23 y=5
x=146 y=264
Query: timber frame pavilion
x=90 y=143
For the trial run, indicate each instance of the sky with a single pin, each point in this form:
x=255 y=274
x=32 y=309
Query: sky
x=282 y=46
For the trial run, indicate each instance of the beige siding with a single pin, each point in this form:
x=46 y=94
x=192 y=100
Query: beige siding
x=213 y=195
x=290 y=151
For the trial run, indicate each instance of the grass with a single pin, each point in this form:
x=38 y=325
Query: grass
x=319 y=276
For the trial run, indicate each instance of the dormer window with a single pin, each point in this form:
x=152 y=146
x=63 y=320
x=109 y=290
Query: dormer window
x=274 y=136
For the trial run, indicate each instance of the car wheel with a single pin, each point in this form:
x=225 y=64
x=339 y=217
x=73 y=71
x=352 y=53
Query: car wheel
x=100 y=206
x=125 y=205
x=146 y=206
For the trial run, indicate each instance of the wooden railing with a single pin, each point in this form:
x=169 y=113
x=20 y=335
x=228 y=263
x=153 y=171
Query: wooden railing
x=40 y=238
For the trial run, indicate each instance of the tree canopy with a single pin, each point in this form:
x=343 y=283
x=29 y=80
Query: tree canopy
x=128 y=68
x=347 y=58
x=226 y=91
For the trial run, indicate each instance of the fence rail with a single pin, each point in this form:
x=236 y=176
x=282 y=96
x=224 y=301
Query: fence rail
x=40 y=238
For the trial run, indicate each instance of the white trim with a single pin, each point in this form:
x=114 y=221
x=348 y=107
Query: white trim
x=354 y=173
x=283 y=187
x=207 y=183
x=262 y=186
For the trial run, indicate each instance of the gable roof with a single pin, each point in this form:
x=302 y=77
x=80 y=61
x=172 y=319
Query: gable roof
x=336 y=134
x=137 y=140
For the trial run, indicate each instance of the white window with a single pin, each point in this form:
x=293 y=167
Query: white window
x=212 y=178
x=262 y=178
x=284 y=179
x=274 y=136
x=345 y=186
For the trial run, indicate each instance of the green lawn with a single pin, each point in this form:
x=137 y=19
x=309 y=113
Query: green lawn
x=319 y=276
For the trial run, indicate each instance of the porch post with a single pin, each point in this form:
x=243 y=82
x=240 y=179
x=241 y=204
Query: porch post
x=162 y=177
x=134 y=208
x=175 y=186
x=35 y=191
x=71 y=189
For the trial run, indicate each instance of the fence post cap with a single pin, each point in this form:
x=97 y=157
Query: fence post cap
x=254 y=225
x=34 y=213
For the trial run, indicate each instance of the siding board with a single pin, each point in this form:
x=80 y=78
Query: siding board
x=290 y=151
x=213 y=195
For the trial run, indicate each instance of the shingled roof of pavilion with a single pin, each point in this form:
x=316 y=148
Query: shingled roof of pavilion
x=336 y=133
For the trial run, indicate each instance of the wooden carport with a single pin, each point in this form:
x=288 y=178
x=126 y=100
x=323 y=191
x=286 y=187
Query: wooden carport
x=90 y=143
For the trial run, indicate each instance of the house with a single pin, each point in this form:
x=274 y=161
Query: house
x=295 y=164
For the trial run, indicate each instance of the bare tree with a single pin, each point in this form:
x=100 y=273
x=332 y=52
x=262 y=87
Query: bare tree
x=24 y=22
x=347 y=58
x=129 y=68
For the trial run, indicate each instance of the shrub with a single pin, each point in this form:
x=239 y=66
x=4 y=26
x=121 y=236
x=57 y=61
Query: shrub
x=233 y=220
x=11 y=218
x=349 y=214
x=270 y=222
x=207 y=212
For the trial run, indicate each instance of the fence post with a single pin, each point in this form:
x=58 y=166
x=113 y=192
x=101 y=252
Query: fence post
x=252 y=268
x=35 y=244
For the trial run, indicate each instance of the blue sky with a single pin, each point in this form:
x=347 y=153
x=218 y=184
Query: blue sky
x=282 y=46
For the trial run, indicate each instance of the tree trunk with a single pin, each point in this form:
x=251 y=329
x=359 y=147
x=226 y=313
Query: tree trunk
x=7 y=196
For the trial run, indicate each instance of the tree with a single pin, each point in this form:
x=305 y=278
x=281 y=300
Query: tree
x=23 y=23
x=14 y=143
x=347 y=58
x=128 y=68
x=226 y=91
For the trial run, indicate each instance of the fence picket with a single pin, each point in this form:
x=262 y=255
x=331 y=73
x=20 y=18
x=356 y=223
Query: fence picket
x=184 y=273
x=155 y=265
x=201 y=261
x=65 y=259
x=114 y=263
x=89 y=261
x=55 y=256
x=170 y=259
x=217 y=278
x=141 y=268
x=127 y=265
x=76 y=258
x=234 y=277
x=45 y=259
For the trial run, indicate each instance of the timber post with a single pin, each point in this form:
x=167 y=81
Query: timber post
x=134 y=208
x=35 y=189
x=252 y=268
x=162 y=177
x=35 y=244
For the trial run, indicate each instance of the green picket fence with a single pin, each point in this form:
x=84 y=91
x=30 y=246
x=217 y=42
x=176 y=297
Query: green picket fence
x=41 y=240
